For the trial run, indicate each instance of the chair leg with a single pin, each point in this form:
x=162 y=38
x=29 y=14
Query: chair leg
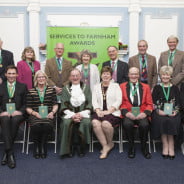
x=24 y=138
x=92 y=142
x=149 y=142
x=27 y=148
x=55 y=145
x=120 y=149
x=154 y=147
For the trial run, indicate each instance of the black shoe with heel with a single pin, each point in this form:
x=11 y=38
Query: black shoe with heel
x=43 y=151
x=36 y=151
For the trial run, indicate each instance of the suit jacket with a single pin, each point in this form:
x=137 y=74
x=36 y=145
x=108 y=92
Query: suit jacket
x=151 y=68
x=146 y=105
x=94 y=75
x=122 y=70
x=25 y=73
x=178 y=66
x=19 y=97
x=7 y=58
x=52 y=72
x=113 y=97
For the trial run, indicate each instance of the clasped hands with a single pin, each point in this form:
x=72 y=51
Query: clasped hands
x=77 y=117
x=15 y=113
x=50 y=115
x=102 y=113
x=142 y=115
x=162 y=113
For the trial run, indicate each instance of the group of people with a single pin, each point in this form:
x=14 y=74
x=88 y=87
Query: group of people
x=83 y=98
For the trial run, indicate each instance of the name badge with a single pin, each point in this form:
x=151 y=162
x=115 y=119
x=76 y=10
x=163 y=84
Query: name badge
x=43 y=111
x=168 y=108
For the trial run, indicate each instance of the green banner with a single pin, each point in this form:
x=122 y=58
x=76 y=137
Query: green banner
x=76 y=39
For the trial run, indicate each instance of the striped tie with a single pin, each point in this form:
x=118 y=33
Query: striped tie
x=144 y=70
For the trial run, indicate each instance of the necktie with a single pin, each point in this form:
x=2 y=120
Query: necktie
x=59 y=61
x=11 y=88
x=135 y=101
x=114 y=71
x=144 y=70
x=170 y=59
x=113 y=65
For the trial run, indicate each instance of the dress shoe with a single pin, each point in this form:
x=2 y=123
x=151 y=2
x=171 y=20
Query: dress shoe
x=131 y=152
x=11 y=161
x=171 y=157
x=165 y=156
x=36 y=151
x=72 y=152
x=146 y=153
x=80 y=151
x=4 y=159
x=43 y=151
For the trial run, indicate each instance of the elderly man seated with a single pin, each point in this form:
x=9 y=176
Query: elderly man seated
x=75 y=110
x=136 y=107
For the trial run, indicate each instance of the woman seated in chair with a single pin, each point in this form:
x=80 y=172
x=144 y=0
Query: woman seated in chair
x=166 y=117
x=41 y=107
x=75 y=109
x=106 y=100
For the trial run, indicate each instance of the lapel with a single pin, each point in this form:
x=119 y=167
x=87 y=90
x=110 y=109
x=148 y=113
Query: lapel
x=140 y=92
x=64 y=63
x=175 y=59
x=16 y=89
x=128 y=92
x=54 y=64
x=137 y=63
x=119 y=69
x=149 y=66
x=3 y=56
x=165 y=58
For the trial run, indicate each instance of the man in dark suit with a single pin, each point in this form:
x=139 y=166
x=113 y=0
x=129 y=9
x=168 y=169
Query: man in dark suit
x=12 y=111
x=146 y=63
x=136 y=108
x=175 y=58
x=58 y=69
x=120 y=68
x=6 y=58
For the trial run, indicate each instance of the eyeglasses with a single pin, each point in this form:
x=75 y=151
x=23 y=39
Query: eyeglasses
x=59 y=48
x=41 y=77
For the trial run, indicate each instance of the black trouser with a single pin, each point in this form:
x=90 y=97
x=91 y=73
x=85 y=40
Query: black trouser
x=9 y=126
x=40 y=132
x=143 y=126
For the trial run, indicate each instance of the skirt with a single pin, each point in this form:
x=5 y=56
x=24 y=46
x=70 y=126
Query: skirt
x=164 y=125
x=113 y=120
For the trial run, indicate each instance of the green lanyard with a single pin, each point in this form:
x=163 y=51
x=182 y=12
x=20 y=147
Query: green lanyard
x=11 y=90
x=58 y=64
x=168 y=92
x=85 y=71
x=133 y=91
x=1 y=59
x=41 y=96
x=171 y=57
x=31 y=66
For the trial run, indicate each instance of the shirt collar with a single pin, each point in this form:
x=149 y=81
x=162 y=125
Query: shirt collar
x=115 y=61
x=9 y=84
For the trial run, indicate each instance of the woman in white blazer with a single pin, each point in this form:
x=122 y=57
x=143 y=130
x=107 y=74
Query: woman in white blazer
x=106 y=100
x=90 y=72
